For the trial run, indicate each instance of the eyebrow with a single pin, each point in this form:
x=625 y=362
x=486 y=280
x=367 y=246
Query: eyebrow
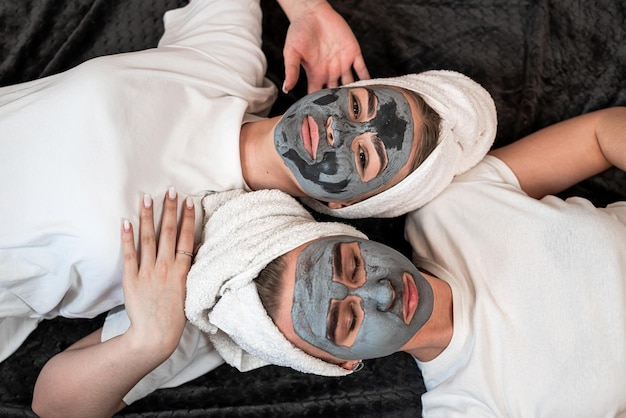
x=337 y=261
x=331 y=323
x=379 y=147
x=371 y=102
x=333 y=314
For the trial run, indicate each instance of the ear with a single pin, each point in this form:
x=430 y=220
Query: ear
x=336 y=205
x=350 y=364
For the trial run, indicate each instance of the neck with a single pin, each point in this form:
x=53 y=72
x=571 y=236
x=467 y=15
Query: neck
x=262 y=166
x=436 y=334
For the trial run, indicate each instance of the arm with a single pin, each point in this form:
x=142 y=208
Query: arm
x=90 y=378
x=559 y=156
x=321 y=40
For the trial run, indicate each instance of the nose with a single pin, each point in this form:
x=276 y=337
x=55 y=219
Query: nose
x=330 y=132
x=381 y=293
x=340 y=131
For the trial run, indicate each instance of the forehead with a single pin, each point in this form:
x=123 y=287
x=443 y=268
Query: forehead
x=283 y=318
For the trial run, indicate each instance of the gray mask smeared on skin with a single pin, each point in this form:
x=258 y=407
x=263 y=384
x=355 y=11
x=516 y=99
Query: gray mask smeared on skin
x=333 y=174
x=383 y=330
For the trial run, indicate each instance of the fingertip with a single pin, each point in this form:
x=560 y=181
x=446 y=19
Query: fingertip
x=347 y=78
x=189 y=214
x=292 y=71
x=129 y=252
x=126 y=226
x=291 y=79
x=361 y=69
x=171 y=193
x=189 y=203
x=147 y=201
x=128 y=238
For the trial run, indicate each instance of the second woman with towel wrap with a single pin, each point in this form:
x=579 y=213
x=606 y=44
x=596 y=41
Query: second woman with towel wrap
x=503 y=274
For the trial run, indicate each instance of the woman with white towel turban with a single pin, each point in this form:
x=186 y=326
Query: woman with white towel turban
x=507 y=283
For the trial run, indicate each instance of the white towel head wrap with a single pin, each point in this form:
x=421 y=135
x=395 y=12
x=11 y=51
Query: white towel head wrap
x=467 y=131
x=243 y=233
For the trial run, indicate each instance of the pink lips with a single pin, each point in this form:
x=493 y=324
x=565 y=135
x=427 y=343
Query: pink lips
x=310 y=136
x=410 y=298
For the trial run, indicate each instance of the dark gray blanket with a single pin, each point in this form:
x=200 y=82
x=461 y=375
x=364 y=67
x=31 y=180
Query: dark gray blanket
x=543 y=61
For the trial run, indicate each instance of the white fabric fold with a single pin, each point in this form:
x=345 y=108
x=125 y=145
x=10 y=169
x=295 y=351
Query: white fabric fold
x=467 y=131
x=243 y=232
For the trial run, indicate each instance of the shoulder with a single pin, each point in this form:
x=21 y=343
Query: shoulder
x=482 y=184
x=490 y=169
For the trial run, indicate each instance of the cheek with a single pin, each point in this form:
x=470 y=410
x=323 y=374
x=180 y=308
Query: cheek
x=382 y=329
x=379 y=336
x=337 y=164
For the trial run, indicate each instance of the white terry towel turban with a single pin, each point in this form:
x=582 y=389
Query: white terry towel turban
x=467 y=131
x=243 y=233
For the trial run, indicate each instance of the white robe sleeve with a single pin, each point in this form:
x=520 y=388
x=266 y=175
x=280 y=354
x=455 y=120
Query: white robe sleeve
x=227 y=33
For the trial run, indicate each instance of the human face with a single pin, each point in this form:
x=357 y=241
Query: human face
x=357 y=299
x=345 y=143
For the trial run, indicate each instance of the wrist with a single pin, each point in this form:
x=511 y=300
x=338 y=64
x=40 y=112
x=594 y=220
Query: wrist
x=294 y=9
x=150 y=347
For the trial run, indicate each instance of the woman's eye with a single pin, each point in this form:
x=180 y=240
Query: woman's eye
x=355 y=107
x=362 y=158
x=357 y=264
x=352 y=320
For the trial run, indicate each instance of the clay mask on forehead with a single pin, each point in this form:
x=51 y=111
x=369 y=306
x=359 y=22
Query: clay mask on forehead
x=378 y=288
x=332 y=174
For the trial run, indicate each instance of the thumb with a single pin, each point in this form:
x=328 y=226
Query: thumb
x=292 y=69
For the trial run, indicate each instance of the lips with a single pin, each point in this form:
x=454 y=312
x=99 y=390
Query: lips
x=310 y=136
x=410 y=298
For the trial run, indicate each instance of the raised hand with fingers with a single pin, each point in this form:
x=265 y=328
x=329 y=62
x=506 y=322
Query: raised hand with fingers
x=154 y=287
x=322 y=42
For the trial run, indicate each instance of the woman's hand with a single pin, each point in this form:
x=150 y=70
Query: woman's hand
x=154 y=287
x=91 y=377
x=321 y=41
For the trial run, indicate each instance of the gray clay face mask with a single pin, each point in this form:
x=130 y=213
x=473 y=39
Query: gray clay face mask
x=368 y=298
x=326 y=169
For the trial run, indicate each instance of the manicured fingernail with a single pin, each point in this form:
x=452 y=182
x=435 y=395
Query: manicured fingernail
x=126 y=225
x=189 y=202
x=147 y=201
x=171 y=192
x=284 y=89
